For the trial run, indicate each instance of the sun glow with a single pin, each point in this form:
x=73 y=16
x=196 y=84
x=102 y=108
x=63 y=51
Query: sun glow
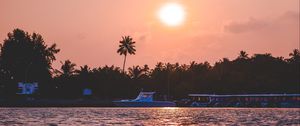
x=172 y=14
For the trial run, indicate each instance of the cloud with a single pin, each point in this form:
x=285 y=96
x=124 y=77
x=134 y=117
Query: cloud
x=142 y=36
x=290 y=15
x=278 y=35
x=254 y=24
x=251 y=24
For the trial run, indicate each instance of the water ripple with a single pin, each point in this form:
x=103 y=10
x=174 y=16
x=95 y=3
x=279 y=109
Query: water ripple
x=149 y=116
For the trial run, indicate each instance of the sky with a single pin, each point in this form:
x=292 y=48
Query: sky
x=88 y=32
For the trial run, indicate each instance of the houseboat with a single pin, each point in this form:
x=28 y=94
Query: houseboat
x=144 y=99
x=245 y=100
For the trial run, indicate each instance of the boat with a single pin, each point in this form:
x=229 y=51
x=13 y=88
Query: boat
x=144 y=99
x=245 y=100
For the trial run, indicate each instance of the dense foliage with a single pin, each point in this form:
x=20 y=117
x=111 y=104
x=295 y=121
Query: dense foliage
x=25 y=57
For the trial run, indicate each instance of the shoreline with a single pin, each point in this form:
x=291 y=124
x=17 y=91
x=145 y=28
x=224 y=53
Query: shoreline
x=56 y=103
x=105 y=103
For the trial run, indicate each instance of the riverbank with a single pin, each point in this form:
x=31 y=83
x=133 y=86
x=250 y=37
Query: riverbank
x=108 y=103
x=56 y=103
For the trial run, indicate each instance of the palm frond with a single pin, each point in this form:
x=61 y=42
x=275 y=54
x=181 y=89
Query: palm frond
x=126 y=46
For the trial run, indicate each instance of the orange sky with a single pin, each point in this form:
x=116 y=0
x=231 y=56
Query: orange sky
x=88 y=32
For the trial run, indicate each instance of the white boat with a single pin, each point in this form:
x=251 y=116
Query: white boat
x=144 y=99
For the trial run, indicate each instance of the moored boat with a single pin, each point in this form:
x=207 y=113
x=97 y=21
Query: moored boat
x=245 y=100
x=144 y=99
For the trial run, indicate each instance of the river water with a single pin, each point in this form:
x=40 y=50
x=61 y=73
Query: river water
x=149 y=116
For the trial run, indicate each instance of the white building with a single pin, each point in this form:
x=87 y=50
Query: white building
x=27 y=88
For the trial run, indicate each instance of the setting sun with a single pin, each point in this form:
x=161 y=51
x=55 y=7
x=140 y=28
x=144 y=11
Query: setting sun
x=171 y=14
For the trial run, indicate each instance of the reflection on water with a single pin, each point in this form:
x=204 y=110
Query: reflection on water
x=149 y=116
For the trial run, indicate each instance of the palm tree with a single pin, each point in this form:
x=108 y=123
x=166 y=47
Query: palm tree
x=136 y=72
x=84 y=70
x=67 y=69
x=295 y=56
x=243 y=55
x=126 y=47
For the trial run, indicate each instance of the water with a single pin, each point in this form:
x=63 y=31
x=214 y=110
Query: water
x=149 y=116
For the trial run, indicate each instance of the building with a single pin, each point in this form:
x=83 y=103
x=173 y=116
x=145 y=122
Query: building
x=87 y=92
x=27 y=88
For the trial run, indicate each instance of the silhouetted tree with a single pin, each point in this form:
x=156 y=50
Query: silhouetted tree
x=84 y=70
x=67 y=81
x=243 y=55
x=26 y=58
x=126 y=47
x=85 y=78
x=140 y=76
x=292 y=76
x=135 y=72
x=67 y=69
x=295 y=56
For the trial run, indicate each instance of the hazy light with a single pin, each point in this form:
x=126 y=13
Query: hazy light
x=172 y=108
x=172 y=14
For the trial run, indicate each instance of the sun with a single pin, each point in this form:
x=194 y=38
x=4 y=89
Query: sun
x=171 y=14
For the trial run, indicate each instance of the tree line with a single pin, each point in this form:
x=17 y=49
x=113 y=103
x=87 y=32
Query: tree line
x=26 y=57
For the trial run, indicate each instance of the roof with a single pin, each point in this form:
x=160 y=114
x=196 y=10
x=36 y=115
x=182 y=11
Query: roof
x=242 y=95
x=149 y=93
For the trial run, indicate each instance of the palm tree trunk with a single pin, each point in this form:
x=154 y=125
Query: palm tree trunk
x=124 y=64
